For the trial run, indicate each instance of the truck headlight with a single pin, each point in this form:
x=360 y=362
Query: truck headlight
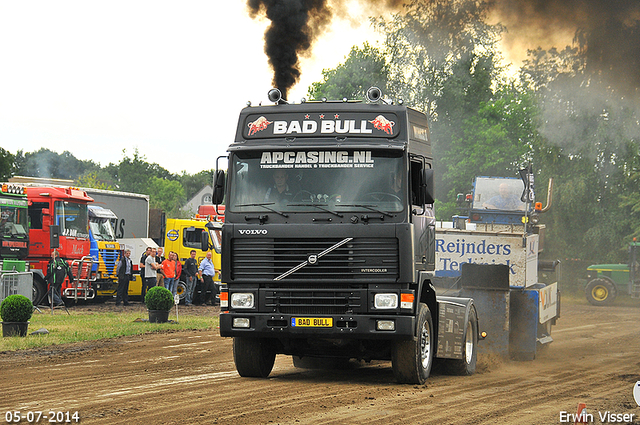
x=242 y=300
x=241 y=322
x=385 y=325
x=385 y=301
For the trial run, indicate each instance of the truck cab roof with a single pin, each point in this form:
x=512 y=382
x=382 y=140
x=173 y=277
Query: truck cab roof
x=97 y=211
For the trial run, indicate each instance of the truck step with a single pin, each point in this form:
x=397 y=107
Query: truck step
x=545 y=340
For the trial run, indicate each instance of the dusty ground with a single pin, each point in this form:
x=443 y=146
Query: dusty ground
x=189 y=378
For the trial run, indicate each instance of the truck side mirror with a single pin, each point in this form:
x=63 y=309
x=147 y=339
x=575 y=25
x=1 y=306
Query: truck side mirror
x=54 y=236
x=426 y=186
x=204 y=241
x=218 y=187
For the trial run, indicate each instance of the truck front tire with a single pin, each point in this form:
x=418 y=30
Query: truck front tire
x=254 y=357
x=412 y=359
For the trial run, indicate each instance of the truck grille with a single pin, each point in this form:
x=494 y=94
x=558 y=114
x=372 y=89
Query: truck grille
x=327 y=301
x=361 y=259
x=109 y=258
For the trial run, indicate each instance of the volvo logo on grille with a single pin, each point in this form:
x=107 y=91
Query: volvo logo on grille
x=313 y=259
x=252 y=231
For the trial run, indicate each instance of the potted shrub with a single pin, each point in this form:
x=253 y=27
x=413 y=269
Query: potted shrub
x=15 y=310
x=159 y=301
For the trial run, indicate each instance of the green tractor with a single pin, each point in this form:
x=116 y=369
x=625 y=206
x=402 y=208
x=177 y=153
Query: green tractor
x=606 y=281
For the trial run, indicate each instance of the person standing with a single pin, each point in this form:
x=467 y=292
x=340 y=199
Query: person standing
x=191 y=270
x=159 y=260
x=178 y=270
x=150 y=271
x=206 y=273
x=124 y=271
x=57 y=270
x=143 y=276
x=169 y=270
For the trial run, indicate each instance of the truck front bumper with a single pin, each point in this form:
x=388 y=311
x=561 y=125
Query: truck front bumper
x=360 y=326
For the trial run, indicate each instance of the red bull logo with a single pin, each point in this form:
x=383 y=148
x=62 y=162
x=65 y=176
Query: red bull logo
x=258 y=125
x=309 y=125
x=381 y=123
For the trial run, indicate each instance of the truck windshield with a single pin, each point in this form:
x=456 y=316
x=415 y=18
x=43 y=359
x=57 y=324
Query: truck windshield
x=13 y=218
x=72 y=219
x=101 y=229
x=498 y=194
x=302 y=180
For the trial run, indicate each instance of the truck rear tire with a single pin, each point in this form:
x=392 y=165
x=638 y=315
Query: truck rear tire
x=254 y=357
x=412 y=360
x=39 y=291
x=600 y=292
x=467 y=364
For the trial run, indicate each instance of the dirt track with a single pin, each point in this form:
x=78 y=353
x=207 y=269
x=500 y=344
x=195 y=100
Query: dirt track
x=189 y=378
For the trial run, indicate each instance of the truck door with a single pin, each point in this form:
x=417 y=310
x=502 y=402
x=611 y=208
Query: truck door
x=423 y=218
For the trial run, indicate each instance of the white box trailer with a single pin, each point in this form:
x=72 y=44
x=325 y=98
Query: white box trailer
x=132 y=210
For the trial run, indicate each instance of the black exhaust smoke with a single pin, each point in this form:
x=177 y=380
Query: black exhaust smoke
x=294 y=26
x=606 y=31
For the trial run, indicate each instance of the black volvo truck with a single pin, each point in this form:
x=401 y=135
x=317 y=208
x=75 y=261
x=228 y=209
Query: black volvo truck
x=328 y=246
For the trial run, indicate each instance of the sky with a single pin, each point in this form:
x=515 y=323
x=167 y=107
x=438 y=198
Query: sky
x=167 y=78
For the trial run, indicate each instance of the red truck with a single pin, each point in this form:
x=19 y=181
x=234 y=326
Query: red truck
x=59 y=220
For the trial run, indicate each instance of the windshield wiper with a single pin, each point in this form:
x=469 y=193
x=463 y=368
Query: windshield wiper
x=318 y=206
x=264 y=205
x=369 y=207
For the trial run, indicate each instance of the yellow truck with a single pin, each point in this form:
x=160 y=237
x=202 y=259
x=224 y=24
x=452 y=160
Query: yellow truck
x=184 y=235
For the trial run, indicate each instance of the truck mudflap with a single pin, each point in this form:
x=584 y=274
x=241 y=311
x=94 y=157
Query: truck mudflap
x=533 y=311
x=453 y=316
x=488 y=286
x=265 y=325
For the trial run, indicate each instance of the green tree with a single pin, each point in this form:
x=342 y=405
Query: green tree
x=589 y=144
x=495 y=141
x=46 y=163
x=134 y=174
x=470 y=119
x=19 y=163
x=6 y=165
x=193 y=183
x=443 y=60
x=95 y=179
x=631 y=201
x=167 y=195
x=425 y=42
x=364 y=68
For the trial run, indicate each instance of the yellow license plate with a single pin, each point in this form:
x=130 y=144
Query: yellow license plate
x=312 y=322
